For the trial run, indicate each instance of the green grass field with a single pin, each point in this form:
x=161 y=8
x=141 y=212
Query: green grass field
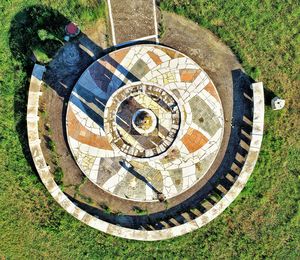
x=262 y=223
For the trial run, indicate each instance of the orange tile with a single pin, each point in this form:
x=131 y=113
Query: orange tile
x=171 y=53
x=155 y=57
x=188 y=75
x=77 y=131
x=210 y=88
x=119 y=55
x=194 y=140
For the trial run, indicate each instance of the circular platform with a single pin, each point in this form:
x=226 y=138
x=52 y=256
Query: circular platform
x=141 y=120
x=144 y=123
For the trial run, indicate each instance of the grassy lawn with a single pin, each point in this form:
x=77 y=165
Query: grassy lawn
x=262 y=223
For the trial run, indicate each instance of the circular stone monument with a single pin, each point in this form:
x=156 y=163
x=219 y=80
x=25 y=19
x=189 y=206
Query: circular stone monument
x=144 y=122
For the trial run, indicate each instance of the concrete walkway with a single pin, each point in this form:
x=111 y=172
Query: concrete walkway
x=133 y=20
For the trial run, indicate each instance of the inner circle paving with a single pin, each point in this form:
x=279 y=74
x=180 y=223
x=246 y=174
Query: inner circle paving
x=141 y=120
x=144 y=123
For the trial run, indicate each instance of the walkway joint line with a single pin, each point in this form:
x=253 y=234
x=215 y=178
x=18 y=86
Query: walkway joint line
x=155 y=21
x=111 y=23
x=137 y=40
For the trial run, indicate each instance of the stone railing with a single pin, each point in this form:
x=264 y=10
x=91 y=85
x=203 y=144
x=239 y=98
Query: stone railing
x=252 y=156
x=74 y=210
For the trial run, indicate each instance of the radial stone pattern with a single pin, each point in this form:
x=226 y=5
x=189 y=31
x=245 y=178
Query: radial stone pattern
x=144 y=123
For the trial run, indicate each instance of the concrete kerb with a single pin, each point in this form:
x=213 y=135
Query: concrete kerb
x=74 y=210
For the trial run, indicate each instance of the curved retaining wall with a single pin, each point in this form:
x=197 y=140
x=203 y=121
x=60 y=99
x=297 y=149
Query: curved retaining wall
x=74 y=210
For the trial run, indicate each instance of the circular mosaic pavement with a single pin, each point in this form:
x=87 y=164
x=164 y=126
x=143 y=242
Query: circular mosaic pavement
x=144 y=123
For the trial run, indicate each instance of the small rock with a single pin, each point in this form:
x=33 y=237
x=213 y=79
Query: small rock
x=277 y=103
x=47 y=126
x=67 y=38
x=161 y=197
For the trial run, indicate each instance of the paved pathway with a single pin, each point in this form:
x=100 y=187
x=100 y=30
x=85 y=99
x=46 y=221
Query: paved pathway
x=133 y=20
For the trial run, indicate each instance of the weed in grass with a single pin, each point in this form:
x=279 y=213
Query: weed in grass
x=140 y=211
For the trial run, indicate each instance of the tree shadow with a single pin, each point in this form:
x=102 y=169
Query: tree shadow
x=39 y=31
x=26 y=35
x=40 y=27
x=36 y=28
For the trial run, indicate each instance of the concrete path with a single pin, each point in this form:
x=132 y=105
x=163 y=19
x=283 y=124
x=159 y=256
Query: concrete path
x=133 y=20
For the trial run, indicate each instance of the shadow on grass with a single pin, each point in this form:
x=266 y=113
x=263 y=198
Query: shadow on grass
x=40 y=29
x=37 y=32
x=36 y=29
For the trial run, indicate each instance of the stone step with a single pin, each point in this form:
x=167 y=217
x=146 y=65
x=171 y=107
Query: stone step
x=247 y=120
x=235 y=168
x=244 y=145
x=241 y=159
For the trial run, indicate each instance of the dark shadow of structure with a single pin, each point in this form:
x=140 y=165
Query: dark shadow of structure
x=242 y=108
x=41 y=28
x=23 y=39
x=140 y=177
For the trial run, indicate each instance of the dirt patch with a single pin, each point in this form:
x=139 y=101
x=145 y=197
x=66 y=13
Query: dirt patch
x=98 y=33
x=132 y=19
